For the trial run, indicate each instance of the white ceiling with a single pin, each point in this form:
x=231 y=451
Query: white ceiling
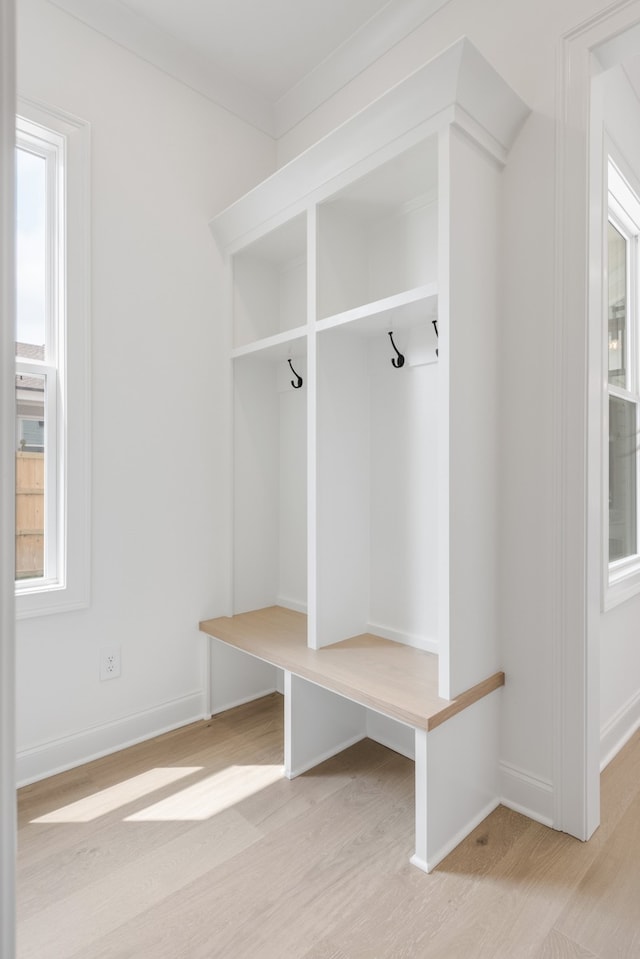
x=269 y=61
x=268 y=45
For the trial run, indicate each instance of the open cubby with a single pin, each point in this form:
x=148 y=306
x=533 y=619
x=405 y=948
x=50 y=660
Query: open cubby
x=378 y=237
x=377 y=506
x=270 y=489
x=270 y=284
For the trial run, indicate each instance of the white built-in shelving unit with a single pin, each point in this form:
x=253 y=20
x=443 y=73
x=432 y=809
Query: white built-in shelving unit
x=364 y=464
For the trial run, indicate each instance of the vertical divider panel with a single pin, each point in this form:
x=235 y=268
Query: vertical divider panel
x=444 y=341
x=312 y=427
x=473 y=399
x=420 y=857
x=226 y=341
x=343 y=486
x=457 y=783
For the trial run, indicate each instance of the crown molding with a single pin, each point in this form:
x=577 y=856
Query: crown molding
x=458 y=86
x=370 y=42
x=115 y=20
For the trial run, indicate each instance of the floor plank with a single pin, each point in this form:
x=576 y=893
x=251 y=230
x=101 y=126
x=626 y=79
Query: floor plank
x=556 y=946
x=603 y=914
x=193 y=846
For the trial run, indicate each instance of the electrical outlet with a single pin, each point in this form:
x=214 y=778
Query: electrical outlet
x=110 y=662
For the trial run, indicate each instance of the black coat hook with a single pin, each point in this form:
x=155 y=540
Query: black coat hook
x=400 y=360
x=434 y=323
x=298 y=379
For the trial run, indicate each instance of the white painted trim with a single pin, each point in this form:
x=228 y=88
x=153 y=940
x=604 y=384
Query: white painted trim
x=72 y=590
x=322 y=757
x=406 y=639
x=427 y=865
x=294 y=604
x=422 y=297
x=312 y=430
x=181 y=61
x=49 y=758
x=577 y=795
x=527 y=794
x=277 y=343
x=619 y=591
x=374 y=38
x=617 y=732
x=457 y=86
x=577 y=396
x=7 y=489
x=621 y=578
x=243 y=701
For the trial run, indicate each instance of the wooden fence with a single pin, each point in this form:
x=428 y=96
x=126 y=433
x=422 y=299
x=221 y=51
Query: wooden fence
x=29 y=515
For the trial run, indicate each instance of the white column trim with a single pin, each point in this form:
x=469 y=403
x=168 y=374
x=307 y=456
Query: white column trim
x=7 y=492
x=577 y=510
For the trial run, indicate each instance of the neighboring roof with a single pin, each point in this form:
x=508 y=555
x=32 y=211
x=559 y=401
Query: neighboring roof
x=29 y=351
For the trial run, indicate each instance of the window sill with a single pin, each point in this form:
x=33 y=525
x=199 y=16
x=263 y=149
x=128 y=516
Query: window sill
x=621 y=585
x=46 y=600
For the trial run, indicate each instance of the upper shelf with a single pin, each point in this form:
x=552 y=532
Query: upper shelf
x=459 y=86
x=400 y=311
x=276 y=347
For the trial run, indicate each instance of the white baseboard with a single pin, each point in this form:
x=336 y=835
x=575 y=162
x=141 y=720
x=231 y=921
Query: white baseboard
x=619 y=730
x=392 y=734
x=407 y=639
x=245 y=699
x=298 y=606
x=329 y=754
x=526 y=794
x=437 y=857
x=57 y=755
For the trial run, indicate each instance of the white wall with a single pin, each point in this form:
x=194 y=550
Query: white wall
x=522 y=41
x=164 y=160
x=620 y=633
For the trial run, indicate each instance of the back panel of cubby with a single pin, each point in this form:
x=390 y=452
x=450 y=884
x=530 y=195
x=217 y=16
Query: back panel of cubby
x=404 y=496
x=269 y=487
x=268 y=298
x=270 y=284
x=378 y=236
x=292 y=487
x=377 y=492
x=367 y=258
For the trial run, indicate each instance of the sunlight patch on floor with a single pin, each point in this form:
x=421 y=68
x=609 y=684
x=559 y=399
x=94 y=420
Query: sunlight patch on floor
x=211 y=795
x=105 y=801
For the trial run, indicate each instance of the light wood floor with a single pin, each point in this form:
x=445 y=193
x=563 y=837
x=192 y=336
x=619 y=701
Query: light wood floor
x=191 y=846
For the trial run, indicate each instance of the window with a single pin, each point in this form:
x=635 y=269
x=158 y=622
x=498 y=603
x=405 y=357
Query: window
x=40 y=324
x=622 y=412
x=51 y=437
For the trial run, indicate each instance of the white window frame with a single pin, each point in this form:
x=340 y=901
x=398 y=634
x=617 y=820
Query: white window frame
x=64 y=140
x=622 y=576
x=51 y=147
